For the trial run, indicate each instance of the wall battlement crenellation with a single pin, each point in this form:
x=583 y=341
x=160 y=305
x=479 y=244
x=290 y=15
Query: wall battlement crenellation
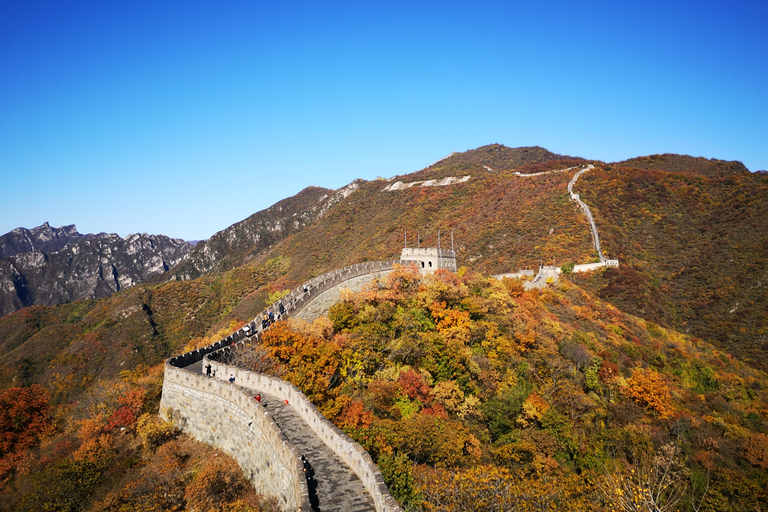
x=216 y=413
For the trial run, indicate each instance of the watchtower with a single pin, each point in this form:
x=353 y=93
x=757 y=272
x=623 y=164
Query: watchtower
x=430 y=259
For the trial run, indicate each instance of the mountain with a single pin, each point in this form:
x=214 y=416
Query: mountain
x=79 y=266
x=687 y=231
x=498 y=156
x=543 y=392
x=247 y=239
x=42 y=238
x=696 y=166
x=693 y=245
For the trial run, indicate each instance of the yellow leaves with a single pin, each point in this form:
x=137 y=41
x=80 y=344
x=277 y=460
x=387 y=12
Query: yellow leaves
x=500 y=298
x=204 y=341
x=446 y=318
x=534 y=408
x=448 y=394
x=276 y=296
x=508 y=383
x=153 y=431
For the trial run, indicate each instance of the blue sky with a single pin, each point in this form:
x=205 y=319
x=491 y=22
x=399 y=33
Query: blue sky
x=183 y=118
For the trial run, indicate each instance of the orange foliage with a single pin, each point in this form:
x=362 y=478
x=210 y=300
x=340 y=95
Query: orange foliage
x=447 y=318
x=756 y=450
x=648 y=387
x=354 y=415
x=24 y=417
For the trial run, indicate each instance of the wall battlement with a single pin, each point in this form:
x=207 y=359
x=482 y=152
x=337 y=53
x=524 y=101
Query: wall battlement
x=226 y=417
x=429 y=259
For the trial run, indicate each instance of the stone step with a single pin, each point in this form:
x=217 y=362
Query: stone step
x=334 y=486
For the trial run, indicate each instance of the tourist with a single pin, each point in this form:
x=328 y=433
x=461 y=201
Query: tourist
x=231 y=379
x=208 y=370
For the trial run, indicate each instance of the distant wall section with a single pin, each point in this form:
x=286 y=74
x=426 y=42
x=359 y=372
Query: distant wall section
x=322 y=302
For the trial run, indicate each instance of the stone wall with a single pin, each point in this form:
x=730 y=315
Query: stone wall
x=323 y=301
x=223 y=416
x=220 y=414
x=588 y=214
x=344 y=446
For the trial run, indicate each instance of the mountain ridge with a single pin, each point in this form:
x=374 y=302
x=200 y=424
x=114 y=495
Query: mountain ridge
x=83 y=266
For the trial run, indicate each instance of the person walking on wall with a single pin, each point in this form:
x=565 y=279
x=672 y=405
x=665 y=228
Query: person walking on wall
x=231 y=379
x=208 y=370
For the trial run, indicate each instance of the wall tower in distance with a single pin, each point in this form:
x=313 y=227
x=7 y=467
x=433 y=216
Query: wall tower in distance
x=430 y=259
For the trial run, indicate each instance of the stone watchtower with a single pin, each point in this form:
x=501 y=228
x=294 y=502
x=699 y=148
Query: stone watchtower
x=429 y=260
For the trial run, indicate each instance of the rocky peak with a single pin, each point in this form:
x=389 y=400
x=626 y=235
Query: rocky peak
x=43 y=238
x=64 y=265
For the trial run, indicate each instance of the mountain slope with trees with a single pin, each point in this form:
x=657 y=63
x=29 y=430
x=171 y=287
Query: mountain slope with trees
x=458 y=385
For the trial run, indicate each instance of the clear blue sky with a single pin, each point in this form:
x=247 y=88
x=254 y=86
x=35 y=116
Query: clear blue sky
x=184 y=118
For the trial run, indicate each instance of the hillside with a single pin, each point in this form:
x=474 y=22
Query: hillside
x=499 y=221
x=696 y=166
x=693 y=251
x=250 y=238
x=550 y=392
x=473 y=394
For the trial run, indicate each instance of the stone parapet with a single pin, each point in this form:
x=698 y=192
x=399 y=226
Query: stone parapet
x=223 y=416
x=354 y=455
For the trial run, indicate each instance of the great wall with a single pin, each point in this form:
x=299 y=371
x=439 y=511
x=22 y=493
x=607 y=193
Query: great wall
x=270 y=438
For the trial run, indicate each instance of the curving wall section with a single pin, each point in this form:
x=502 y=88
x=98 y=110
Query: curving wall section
x=224 y=416
x=344 y=446
x=604 y=262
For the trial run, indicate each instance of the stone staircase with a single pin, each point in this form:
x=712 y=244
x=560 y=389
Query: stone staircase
x=333 y=486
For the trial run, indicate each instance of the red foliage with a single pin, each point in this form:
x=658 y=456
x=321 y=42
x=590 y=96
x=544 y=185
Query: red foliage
x=122 y=417
x=608 y=371
x=415 y=387
x=24 y=417
x=436 y=410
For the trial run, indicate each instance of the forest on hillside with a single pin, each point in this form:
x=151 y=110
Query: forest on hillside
x=473 y=394
x=603 y=389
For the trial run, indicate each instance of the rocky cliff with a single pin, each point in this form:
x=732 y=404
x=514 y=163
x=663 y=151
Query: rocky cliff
x=79 y=266
x=43 y=238
x=247 y=239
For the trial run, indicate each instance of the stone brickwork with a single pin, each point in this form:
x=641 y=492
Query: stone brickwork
x=223 y=416
x=428 y=260
x=323 y=301
x=347 y=449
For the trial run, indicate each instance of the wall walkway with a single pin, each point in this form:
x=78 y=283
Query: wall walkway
x=595 y=236
x=268 y=445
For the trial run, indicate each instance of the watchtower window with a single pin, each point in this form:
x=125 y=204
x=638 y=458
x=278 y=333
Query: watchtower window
x=430 y=263
x=422 y=264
